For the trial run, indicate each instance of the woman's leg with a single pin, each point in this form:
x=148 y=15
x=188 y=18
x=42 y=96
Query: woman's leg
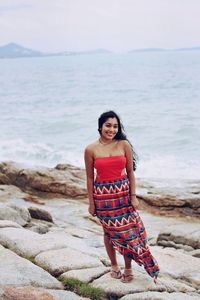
x=127 y=262
x=127 y=276
x=110 y=250
x=115 y=270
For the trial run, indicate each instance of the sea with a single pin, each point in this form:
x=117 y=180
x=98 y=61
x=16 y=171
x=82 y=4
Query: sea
x=49 y=108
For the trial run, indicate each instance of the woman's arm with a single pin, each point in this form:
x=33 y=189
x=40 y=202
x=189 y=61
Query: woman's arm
x=130 y=173
x=89 y=166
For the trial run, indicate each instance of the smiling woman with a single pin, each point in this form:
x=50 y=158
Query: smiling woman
x=112 y=198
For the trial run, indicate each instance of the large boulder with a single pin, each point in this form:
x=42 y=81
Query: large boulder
x=170 y=197
x=63 y=179
x=186 y=236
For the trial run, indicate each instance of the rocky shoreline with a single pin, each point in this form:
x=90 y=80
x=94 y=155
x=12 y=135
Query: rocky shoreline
x=47 y=237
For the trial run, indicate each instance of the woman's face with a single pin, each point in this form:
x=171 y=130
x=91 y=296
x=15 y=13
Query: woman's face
x=109 y=129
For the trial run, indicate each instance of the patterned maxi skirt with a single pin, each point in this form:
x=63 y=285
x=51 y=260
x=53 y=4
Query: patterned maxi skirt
x=122 y=223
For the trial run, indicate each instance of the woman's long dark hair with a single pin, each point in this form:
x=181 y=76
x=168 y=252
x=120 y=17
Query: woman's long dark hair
x=121 y=132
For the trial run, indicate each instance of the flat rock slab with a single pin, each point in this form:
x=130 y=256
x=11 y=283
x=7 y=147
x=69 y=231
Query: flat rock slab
x=142 y=283
x=57 y=262
x=32 y=293
x=185 y=234
x=86 y=275
x=28 y=243
x=160 y=296
x=17 y=271
x=178 y=265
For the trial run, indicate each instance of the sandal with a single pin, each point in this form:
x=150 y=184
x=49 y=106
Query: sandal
x=127 y=276
x=116 y=274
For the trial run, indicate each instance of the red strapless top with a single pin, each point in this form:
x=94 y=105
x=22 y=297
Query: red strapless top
x=109 y=168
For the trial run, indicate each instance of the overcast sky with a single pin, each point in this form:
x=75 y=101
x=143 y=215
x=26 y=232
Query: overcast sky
x=118 y=25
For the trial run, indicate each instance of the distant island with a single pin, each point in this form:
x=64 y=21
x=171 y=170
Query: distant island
x=13 y=50
x=163 y=49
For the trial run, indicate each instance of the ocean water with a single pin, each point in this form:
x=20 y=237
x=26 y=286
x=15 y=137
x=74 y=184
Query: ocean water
x=49 y=108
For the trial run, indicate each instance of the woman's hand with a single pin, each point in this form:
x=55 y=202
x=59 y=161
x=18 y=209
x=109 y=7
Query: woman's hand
x=135 y=202
x=92 y=210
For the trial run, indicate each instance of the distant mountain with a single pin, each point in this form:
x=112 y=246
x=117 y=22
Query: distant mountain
x=162 y=49
x=97 y=51
x=13 y=50
x=188 y=49
x=147 y=50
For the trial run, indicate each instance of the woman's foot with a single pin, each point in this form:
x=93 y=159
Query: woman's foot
x=155 y=279
x=115 y=272
x=127 y=276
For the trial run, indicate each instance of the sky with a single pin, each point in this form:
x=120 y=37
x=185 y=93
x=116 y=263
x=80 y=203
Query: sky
x=116 y=25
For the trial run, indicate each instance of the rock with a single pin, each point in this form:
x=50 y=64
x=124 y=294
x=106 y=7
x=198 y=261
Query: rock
x=195 y=253
x=16 y=214
x=86 y=275
x=27 y=243
x=7 y=223
x=41 y=214
x=187 y=235
x=160 y=296
x=142 y=283
x=174 y=197
x=65 y=295
x=59 y=261
x=10 y=192
x=178 y=265
x=38 y=227
x=32 y=293
x=69 y=182
x=17 y=271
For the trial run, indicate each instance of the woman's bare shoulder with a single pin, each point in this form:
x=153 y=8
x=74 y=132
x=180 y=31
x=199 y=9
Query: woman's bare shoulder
x=91 y=147
x=124 y=143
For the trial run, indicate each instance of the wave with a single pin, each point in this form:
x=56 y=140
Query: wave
x=157 y=166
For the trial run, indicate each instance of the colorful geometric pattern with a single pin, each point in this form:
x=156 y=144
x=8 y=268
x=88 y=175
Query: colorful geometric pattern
x=122 y=223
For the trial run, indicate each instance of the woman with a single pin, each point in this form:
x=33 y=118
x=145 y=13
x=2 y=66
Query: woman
x=112 y=198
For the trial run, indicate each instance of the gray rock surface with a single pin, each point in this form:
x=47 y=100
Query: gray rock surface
x=59 y=261
x=28 y=243
x=14 y=213
x=7 y=223
x=87 y=274
x=178 y=265
x=160 y=296
x=142 y=283
x=17 y=271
